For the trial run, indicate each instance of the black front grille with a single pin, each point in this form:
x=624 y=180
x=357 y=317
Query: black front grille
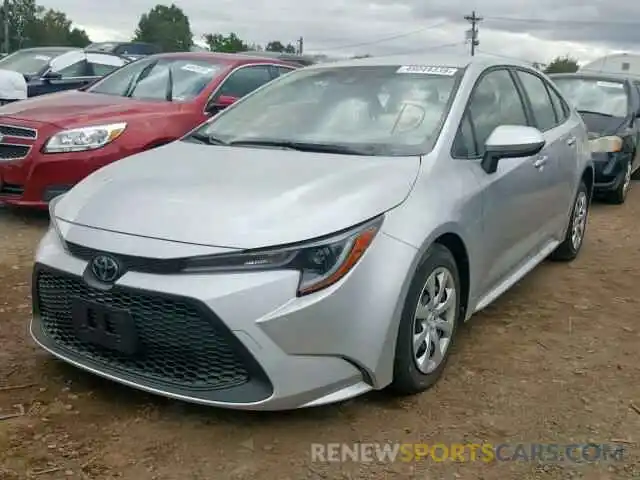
x=19 y=132
x=11 y=189
x=13 y=152
x=181 y=346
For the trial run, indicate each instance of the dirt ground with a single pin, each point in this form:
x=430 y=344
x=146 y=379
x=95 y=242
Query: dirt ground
x=557 y=359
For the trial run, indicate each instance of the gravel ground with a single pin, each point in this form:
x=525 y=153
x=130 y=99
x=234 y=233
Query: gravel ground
x=554 y=360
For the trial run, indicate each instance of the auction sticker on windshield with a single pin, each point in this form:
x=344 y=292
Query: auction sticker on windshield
x=610 y=85
x=197 y=69
x=428 y=70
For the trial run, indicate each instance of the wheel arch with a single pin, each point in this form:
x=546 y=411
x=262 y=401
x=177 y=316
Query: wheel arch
x=588 y=177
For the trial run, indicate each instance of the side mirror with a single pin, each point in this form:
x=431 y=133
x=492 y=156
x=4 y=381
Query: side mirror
x=223 y=101
x=511 y=141
x=51 y=75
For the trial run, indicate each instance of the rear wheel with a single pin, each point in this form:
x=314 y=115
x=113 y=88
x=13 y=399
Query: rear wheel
x=570 y=247
x=429 y=322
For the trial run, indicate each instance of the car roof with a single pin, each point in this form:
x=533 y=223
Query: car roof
x=611 y=77
x=228 y=58
x=49 y=49
x=432 y=59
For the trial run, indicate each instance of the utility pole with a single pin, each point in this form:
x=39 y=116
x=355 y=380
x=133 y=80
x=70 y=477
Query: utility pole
x=5 y=22
x=472 y=34
x=300 y=45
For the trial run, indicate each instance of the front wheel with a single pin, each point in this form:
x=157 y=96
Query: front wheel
x=570 y=247
x=429 y=322
x=619 y=195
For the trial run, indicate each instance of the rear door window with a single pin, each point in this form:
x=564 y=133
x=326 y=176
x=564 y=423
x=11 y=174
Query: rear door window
x=245 y=80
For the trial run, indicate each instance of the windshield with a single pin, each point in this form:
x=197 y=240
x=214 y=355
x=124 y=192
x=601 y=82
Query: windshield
x=595 y=96
x=384 y=110
x=28 y=62
x=105 y=47
x=168 y=79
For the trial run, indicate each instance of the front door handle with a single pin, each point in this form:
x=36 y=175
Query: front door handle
x=540 y=162
x=571 y=141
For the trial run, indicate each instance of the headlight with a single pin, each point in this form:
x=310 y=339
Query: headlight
x=85 y=138
x=606 y=144
x=321 y=263
x=52 y=219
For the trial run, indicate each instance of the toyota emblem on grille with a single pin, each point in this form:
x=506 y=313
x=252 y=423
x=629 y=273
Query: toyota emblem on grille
x=105 y=268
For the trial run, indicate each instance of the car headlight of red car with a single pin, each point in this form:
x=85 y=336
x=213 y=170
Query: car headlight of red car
x=85 y=138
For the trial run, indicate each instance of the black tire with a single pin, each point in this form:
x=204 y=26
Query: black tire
x=619 y=195
x=408 y=380
x=567 y=251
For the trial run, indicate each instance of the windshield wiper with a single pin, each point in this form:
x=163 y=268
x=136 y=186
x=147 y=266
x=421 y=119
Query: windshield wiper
x=305 y=146
x=596 y=113
x=208 y=139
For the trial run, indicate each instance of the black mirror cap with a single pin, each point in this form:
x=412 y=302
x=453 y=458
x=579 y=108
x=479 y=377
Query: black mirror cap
x=493 y=155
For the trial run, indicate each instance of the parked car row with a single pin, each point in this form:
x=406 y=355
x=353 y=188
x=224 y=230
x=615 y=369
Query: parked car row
x=53 y=69
x=610 y=107
x=49 y=143
x=323 y=236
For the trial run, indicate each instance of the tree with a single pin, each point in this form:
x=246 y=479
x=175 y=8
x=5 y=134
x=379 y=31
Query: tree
x=79 y=38
x=22 y=16
x=32 y=26
x=167 y=27
x=277 y=46
x=225 y=43
x=564 y=64
x=53 y=28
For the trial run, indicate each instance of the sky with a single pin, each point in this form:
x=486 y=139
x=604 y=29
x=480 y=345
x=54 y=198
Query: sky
x=531 y=30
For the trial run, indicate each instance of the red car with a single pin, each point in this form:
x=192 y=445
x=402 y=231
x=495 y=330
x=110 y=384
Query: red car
x=49 y=143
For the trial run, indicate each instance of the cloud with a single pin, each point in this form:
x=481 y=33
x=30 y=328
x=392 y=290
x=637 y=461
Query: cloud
x=540 y=31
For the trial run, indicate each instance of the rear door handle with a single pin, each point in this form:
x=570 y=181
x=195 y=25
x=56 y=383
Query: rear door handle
x=571 y=141
x=540 y=162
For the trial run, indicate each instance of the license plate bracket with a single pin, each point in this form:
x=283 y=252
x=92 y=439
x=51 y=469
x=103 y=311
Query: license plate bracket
x=108 y=327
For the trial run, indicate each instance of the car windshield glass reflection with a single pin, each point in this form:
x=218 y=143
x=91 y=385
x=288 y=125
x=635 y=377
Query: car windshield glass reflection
x=27 y=63
x=595 y=96
x=372 y=110
x=159 y=79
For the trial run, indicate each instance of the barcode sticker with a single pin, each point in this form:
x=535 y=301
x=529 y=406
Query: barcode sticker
x=610 y=85
x=197 y=69
x=428 y=70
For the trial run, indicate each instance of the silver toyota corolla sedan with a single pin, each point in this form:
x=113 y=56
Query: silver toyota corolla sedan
x=323 y=237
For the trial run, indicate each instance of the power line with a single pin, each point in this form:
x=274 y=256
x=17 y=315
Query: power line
x=506 y=57
x=386 y=39
x=563 y=22
x=421 y=50
x=473 y=32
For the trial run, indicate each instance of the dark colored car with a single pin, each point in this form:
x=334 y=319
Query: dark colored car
x=133 y=50
x=53 y=69
x=50 y=143
x=610 y=107
x=300 y=60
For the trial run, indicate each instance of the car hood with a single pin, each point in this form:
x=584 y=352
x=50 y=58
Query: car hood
x=237 y=197
x=67 y=109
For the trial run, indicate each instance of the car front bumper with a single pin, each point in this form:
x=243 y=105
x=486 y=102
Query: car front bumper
x=242 y=341
x=609 y=170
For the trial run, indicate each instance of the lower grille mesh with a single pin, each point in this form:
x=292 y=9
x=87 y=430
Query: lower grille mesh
x=180 y=346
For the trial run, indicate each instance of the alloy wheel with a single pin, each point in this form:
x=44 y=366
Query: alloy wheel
x=434 y=320
x=627 y=179
x=579 y=220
